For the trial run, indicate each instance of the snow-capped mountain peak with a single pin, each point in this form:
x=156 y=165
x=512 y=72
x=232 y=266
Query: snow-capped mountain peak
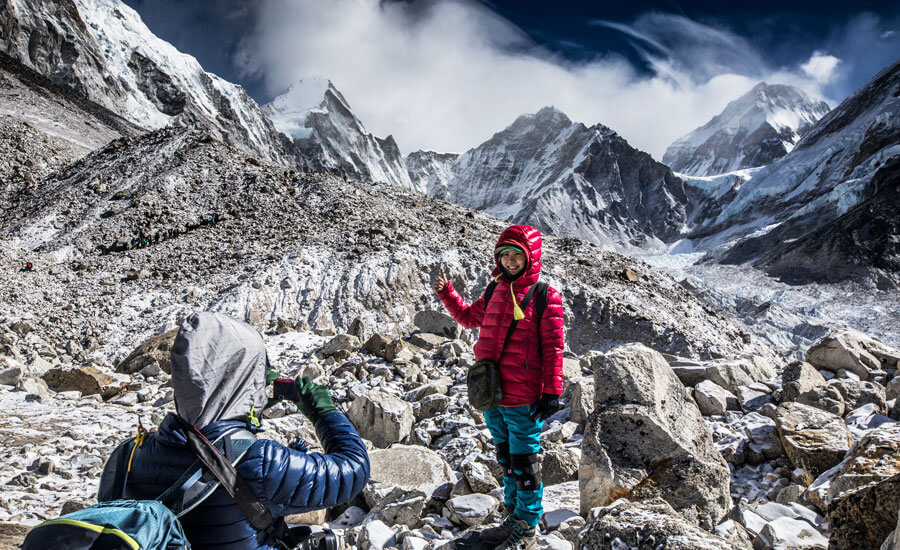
x=319 y=119
x=104 y=51
x=762 y=125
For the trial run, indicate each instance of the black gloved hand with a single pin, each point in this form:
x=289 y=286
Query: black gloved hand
x=546 y=406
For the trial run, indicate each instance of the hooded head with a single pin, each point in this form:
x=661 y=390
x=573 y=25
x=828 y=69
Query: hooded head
x=218 y=369
x=527 y=239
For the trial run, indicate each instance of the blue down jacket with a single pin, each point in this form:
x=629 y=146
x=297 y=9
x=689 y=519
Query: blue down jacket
x=285 y=481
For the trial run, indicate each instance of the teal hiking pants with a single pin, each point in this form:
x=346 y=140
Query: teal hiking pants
x=518 y=440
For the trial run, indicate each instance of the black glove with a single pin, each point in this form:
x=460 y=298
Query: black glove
x=546 y=406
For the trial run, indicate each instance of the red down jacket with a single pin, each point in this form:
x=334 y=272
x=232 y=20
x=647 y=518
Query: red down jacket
x=526 y=370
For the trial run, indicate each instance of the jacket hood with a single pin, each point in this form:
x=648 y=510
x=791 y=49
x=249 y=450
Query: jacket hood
x=528 y=239
x=218 y=369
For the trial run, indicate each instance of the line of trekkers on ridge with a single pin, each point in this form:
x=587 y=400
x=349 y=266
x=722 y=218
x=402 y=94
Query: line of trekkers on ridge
x=146 y=239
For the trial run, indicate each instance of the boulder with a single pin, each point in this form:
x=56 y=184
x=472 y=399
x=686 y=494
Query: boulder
x=382 y=418
x=857 y=393
x=813 y=439
x=426 y=341
x=376 y=345
x=410 y=467
x=401 y=506
x=742 y=372
x=865 y=517
x=10 y=371
x=341 y=347
x=87 y=380
x=435 y=322
x=470 y=510
x=479 y=477
x=799 y=377
x=875 y=458
x=152 y=350
x=713 y=399
x=581 y=404
x=762 y=434
x=864 y=419
x=650 y=524
x=571 y=368
x=646 y=438
x=560 y=464
x=854 y=351
x=827 y=398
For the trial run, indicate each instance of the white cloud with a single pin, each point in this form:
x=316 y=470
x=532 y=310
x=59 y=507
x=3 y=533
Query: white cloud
x=447 y=74
x=821 y=67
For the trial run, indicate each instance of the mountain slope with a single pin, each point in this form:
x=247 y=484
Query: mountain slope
x=43 y=127
x=102 y=50
x=832 y=170
x=353 y=250
x=762 y=125
x=331 y=138
x=571 y=180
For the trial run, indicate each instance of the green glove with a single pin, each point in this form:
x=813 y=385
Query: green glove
x=314 y=400
x=271 y=375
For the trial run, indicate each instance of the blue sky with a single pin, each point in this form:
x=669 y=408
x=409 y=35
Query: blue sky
x=446 y=74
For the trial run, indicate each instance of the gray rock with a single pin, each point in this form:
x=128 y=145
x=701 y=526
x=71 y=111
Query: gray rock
x=341 y=346
x=479 y=477
x=10 y=375
x=743 y=372
x=410 y=467
x=435 y=322
x=713 y=399
x=426 y=340
x=644 y=427
x=470 y=510
x=827 y=398
x=382 y=418
x=155 y=349
x=375 y=535
x=799 y=377
x=401 y=507
x=859 y=393
x=581 y=402
x=814 y=440
x=854 y=351
x=790 y=534
x=559 y=465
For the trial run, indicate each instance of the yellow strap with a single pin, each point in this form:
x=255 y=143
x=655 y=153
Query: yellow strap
x=96 y=528
x=138 y=441
x=253 y=419
x=517 y=311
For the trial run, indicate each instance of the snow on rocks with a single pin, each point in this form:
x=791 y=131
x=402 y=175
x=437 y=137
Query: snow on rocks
x=470 y=510
x=646 y=438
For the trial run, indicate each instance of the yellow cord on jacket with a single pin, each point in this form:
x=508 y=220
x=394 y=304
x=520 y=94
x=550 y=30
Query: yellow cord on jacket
x=518 y=315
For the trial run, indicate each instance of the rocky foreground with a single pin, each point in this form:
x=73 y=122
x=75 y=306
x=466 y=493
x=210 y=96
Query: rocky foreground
x=651 y=450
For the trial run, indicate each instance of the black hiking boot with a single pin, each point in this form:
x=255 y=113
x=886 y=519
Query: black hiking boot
x=495 y=535
x=521 y=538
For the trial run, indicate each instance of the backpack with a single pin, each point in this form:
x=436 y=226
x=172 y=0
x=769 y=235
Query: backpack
x=119 y=523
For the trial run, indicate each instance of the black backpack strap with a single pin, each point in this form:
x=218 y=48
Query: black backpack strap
x=540 y=306
x=512 y=326
x=218 y=465
x=488 y=292
x=115 y=474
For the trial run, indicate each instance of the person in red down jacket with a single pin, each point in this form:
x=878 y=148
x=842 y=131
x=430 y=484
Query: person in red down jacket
x=530 y=371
